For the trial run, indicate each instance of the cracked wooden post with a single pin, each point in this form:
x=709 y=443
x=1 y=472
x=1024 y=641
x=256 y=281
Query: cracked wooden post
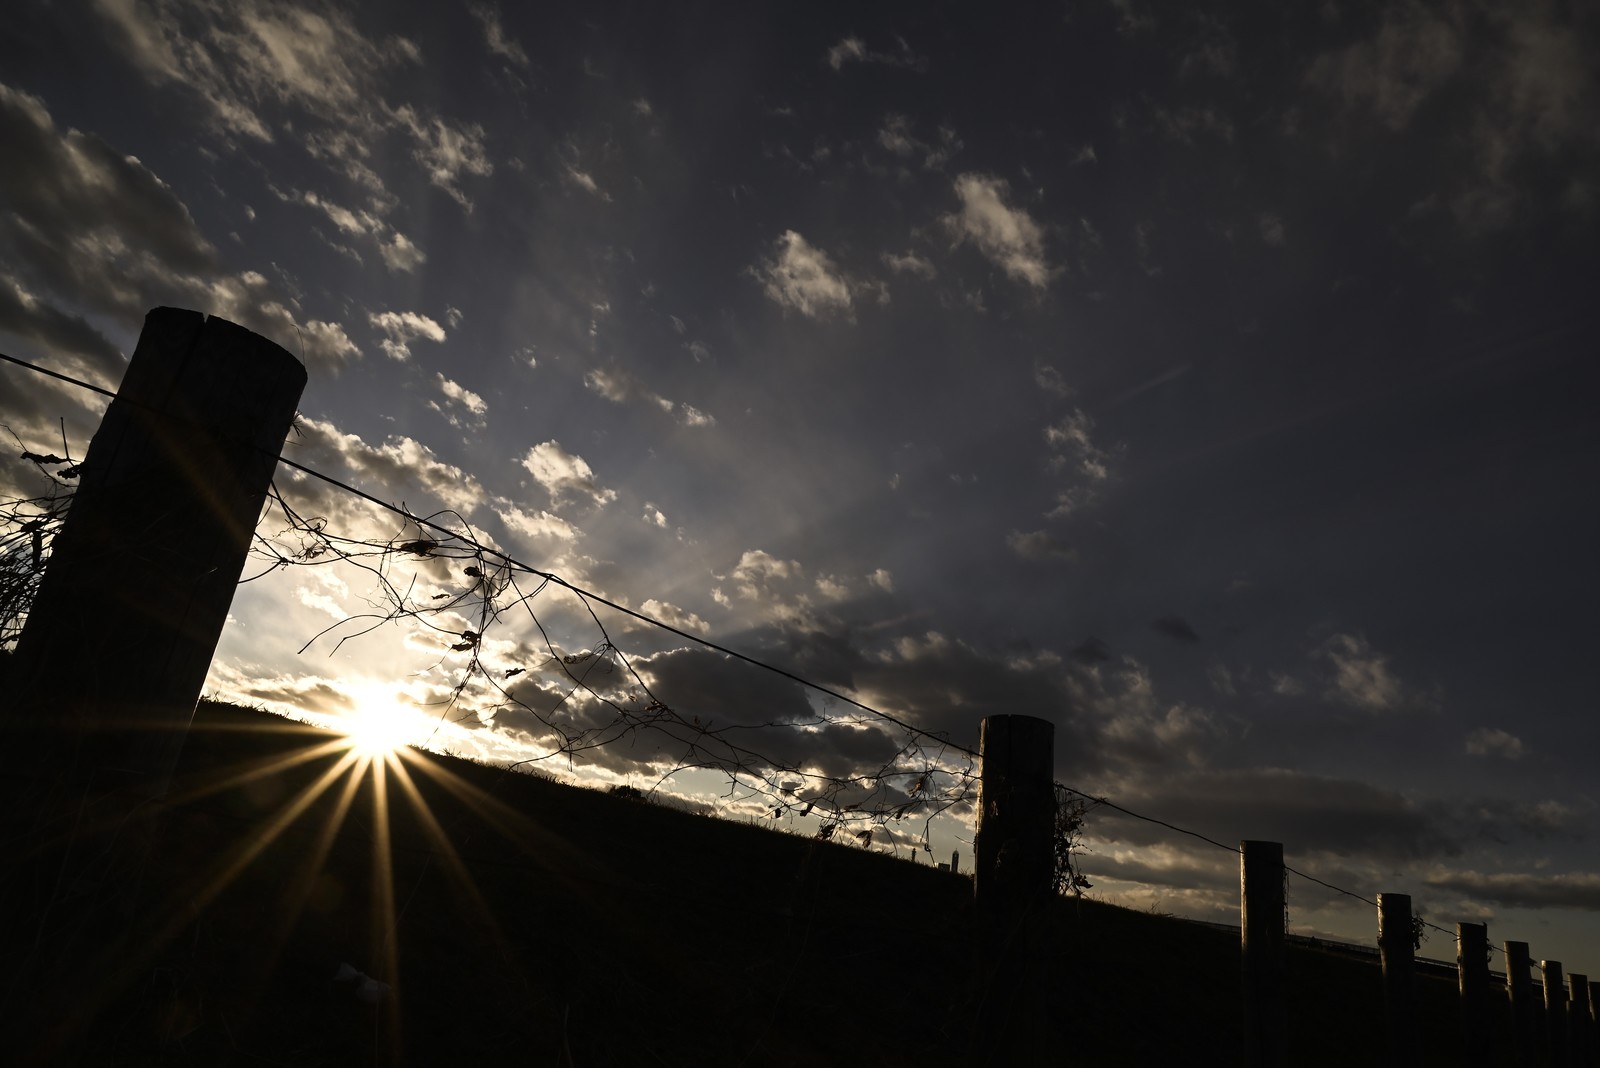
x=114 y=654
x=1397 y=946
x=1472 y=975
x=1261 y=953
x=115 y=651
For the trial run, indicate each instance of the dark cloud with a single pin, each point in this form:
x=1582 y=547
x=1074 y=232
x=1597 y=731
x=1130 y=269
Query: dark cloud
x=1307 y=813
x=1529 y=890
x=1091 y=651
x=1176 y=628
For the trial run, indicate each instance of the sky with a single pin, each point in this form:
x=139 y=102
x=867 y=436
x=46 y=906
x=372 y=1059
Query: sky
x=1216 y=383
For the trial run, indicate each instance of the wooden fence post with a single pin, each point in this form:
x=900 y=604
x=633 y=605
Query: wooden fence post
x=115 y=651
x=1398 y=951
x=1555 y=1012
x=1524 y=1010
x=1014 y=848
x=1591 y=1022
x=1578 y=1034
x=1472 y=974
x=1261 y=953
x=1013 y=863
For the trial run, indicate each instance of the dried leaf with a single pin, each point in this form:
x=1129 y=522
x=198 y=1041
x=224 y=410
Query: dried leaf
x=420 y=547
x=513 y=672
x=472 y=572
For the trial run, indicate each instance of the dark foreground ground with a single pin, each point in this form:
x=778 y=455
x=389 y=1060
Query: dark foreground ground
x=515 y=920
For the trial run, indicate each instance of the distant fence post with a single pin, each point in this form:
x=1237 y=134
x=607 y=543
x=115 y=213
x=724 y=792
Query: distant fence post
x=1014 y=849
x=1524 y=1011
x=1472 y=974
x=1261 y=953
x=1555 y=1012
x=1398 y=951
x=128 y=612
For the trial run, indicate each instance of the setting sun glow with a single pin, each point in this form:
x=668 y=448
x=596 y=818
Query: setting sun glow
x=379 y=727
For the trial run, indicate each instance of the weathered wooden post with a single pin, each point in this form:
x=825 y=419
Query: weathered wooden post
x=1591 y=1022
x=1555 y=1012
x=1014 y=848
x=1472 y=976
x=1524 y=1010
x=115 y=650
x=110 y=664
x=1013 y=884
x=1397 y=946
x=1578 y=1034
x=1261 y=953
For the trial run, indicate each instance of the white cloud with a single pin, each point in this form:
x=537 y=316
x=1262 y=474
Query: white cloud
x=263 y=66
x=674 y=616
x=388 y=469
x=1491 y=741
x=909 y=263
x=401 y=329
x=564 y=474
x=495 y=36
x=1361 y=675
x=584 y=181
x=852 y=49
x=462 y=407
x=882 y=579
x=535 y=525
x=446 y=151
x=804 y=278
x=399 y=254
x=1008 y=236
x=653 y=515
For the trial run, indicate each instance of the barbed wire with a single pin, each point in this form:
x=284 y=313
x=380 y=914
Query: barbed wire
x=928 y=773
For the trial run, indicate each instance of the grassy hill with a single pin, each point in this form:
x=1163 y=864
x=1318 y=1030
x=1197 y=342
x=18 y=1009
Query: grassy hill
x=564 y=926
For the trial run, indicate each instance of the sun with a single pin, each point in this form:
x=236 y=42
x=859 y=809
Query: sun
x=380 y=725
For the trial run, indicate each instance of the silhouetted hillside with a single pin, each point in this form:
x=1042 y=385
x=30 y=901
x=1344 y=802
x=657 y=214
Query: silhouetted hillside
x=565 y=926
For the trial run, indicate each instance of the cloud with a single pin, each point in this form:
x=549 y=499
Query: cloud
x=1413 y=54
x=1493 y=742
x=803 y=278
x=1361 y=675
x=495 y=36
x=1007 y=236
x=673 y=616
x=1039 y=545
x=535 y=526
x=389 y=470
x=1176 y=628
x=1536 y=890
x=620 y=386
x=882 y=579
x=462 y=407
x=852 y=49
x=401 y=329
x=399 y=254
x=262 y=66
x=25 y=316
x=909 y=263
x=564 y=474
x=94 y=229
